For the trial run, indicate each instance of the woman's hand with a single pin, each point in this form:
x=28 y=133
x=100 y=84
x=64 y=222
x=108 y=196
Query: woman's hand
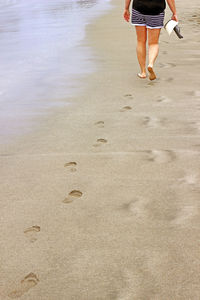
x=174 y=17
x=172 y=6
x=127 y=15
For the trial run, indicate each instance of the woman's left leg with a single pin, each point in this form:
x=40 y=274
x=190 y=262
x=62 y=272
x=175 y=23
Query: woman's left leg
x=153 y=40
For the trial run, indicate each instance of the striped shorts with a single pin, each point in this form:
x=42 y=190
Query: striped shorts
x=150 y=21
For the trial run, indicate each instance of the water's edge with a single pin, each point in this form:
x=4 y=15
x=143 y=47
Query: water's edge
x=43 y=58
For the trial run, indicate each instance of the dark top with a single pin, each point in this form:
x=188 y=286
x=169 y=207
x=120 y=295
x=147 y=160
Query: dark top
x=149 y=7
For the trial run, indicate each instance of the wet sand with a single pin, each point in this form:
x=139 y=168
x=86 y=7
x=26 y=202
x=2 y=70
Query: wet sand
x=103 y=201
x=41 y=58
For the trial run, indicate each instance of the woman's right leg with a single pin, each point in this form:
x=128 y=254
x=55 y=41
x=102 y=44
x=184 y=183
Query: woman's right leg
x=153 y=38
x=141 y=32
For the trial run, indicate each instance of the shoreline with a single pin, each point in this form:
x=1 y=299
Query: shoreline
x=52 y=77
x=102 y=202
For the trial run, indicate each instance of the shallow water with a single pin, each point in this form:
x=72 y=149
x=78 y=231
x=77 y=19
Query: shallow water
x=41 y=57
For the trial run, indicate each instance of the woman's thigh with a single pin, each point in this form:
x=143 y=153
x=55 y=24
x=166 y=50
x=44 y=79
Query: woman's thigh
x=153 y=35
x=141 y=32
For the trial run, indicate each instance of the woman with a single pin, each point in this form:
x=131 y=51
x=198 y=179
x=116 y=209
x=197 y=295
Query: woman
x=148 y=17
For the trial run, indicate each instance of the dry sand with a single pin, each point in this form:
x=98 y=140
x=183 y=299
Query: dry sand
x=102 y=201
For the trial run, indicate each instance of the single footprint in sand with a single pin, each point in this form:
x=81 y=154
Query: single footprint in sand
x=160 y=156
x=71 y=166
x=130 y=96
x=125 y=108
x=32 y=232
x=100 y=142
x=24 y=286
x=150 y=209
x=163 y=99
x=152 y=83
x=72 y=196
x=152 y=122
x=100 y=124
x=137 y=207
x=167 y=65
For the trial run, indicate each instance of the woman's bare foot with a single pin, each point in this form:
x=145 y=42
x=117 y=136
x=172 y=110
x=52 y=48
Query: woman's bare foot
x=142 y=75
x=152 y=75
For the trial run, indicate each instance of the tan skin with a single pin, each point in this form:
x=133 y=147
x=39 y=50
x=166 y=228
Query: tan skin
x=153 y=41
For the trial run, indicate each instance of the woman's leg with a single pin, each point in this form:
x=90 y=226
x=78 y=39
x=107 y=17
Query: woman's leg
x=141 y=32
x=153 y=39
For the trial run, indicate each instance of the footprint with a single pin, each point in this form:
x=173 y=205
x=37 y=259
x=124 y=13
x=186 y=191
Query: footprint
x=71 y=166
x=100 y=142
x=130 y=96
x=153 y=122
x=126 y=108
x=150 y=122
x=167 y=65
x=31 y=233
x=152 y=210
x=152 y=83
x=163 y=99
x=24 y=286
x=72 y=196
x=137 y=207
x=100 y=124
x=160 y=156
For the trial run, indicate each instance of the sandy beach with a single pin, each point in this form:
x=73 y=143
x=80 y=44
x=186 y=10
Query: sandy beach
x=101 y=201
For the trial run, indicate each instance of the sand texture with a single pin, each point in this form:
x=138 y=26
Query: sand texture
x=102 y=201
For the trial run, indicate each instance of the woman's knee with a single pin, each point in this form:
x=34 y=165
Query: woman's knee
x=141 y=34
x=153 y=36
x=142 y=40
x=153 y=43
